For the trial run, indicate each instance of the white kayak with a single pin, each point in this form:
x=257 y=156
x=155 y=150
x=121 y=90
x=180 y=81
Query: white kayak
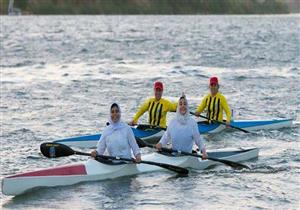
x=92 y=170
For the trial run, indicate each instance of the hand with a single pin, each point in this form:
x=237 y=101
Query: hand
x=138 y=158
x=158 y=146
x=197 y=114
x=94 y=153
x=204 y=154
x=132 y=123
x=228 y=125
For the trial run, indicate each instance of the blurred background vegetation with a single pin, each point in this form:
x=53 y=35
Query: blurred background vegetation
x=153 y=6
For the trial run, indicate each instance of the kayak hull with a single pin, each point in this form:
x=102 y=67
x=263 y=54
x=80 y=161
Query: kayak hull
x=152 y=136
x=263 y=124
x=22 y=184
x=93 y=170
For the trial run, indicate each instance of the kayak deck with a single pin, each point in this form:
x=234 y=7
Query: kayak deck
x=93 y=170
x=153 y=135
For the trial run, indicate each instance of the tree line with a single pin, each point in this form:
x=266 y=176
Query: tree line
x=148 y=6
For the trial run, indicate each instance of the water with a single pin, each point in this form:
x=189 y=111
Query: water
x=60 y=73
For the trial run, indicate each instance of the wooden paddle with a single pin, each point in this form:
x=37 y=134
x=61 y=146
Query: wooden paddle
x=235 y=165
x=216 y=121
x=54 y=150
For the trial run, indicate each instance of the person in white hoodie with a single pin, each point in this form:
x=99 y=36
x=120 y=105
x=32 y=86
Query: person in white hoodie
x=183 y=131
x=117 y=138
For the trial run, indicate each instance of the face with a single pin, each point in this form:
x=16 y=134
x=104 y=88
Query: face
x=115 y=114
x=158 y=94
x=214 y=89
x=182 y=106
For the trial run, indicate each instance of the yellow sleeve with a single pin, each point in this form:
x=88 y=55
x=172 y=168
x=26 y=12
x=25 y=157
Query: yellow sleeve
x=226 y=109
x=172 y=106
x=202 y=106
x=141 y=111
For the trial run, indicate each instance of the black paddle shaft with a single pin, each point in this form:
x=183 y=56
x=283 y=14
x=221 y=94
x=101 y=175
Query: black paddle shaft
x=227 y=162
x=142 y=143
x=54 y=150
x=216 y=121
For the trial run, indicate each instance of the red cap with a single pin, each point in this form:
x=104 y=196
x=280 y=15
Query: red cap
x=158 y=85
x=213 y=81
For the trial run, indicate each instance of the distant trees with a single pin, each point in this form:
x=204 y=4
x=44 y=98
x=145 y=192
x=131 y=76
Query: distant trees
x=148 y=6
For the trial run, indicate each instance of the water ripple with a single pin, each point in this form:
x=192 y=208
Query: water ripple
x=59 y=73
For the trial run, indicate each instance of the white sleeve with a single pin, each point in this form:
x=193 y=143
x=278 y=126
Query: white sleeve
x=101 y=145
x=196 y=136
x=165 y=139
x=132 y=142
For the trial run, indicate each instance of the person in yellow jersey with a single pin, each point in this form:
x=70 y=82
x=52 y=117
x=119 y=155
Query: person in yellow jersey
x=157 y=108
x=214 y=103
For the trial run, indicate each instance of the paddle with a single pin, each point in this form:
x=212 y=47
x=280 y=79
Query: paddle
x=193 y=113
x=147 y=126
x=236 y=165
x=54 y=150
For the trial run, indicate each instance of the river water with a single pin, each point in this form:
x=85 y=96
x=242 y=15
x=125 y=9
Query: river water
x=60 y=73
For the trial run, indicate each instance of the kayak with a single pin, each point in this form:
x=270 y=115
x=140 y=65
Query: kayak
x=152 y=135
x=93 y=170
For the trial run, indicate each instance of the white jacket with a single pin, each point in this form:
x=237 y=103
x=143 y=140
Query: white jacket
x=183 y=136
x=119 y=143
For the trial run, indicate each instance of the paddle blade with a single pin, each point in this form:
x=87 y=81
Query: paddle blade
x=141 y=143
x=54 y=150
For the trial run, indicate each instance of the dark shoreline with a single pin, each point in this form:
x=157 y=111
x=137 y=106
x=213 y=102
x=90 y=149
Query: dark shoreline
x=150 y=7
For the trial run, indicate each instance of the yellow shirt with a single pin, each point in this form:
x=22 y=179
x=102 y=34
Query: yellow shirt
x=215 y=106
x=157 y=111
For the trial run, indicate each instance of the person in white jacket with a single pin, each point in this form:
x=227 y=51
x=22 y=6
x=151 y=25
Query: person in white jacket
x=117 y=138
x=183 y=131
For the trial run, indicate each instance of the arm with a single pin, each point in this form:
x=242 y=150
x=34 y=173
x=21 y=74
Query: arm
x=201 y=107
x=226 y=109
x=200 y=143
x=197 y=137
x=132 y=142
x=164 y=139
x=141 y=111
x=172 y=106
x=101 y=145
